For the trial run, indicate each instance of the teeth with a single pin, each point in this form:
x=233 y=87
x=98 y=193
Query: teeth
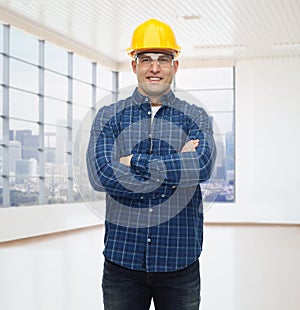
x=154 y=79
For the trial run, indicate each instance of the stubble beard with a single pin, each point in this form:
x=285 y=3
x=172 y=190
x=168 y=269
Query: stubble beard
x=154 y=90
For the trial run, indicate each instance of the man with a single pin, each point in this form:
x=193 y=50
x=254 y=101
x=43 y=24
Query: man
x=149 y=153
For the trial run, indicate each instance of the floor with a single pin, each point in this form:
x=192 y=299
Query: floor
x=243 y=267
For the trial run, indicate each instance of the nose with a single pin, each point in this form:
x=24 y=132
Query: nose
x=155 y=66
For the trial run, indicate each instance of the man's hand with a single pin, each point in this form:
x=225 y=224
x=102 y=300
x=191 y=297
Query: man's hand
x=190 y=146
x=126 y=160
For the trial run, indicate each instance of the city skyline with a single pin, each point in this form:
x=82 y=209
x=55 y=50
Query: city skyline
x=25 y=175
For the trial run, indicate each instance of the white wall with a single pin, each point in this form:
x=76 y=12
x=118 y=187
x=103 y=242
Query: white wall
x=23 y=222
x=267 y=143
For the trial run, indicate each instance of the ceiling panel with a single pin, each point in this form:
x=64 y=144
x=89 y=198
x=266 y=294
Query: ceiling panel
x=211 y=33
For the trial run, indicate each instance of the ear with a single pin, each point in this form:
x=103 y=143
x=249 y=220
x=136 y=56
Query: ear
x=133 y=66
x=175 y=65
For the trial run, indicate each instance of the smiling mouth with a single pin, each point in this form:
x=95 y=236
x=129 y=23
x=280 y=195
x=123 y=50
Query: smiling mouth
x=154 y=79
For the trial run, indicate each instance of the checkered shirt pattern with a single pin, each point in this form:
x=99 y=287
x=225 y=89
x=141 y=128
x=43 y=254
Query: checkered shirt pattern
x=154 y=215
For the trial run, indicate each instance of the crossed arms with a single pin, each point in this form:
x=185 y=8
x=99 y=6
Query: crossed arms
x=133 y=174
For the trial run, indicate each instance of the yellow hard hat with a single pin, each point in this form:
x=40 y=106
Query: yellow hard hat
x=153 y=34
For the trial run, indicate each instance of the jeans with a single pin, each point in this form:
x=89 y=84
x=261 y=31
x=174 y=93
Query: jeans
x=125 y=289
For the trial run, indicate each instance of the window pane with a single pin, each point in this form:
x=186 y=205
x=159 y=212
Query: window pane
x=29 y=147
x=51 y=107
x=19 y=40
x=1 y=37
x=24 y=145
x=220 y=187
x=58 y=141
x=82 y=68
x=1 y=166
x=104 y=97
x=50 y=147
x=104 y=78
x=56 y=188
x=214 y=100
x=1 y=112
x=223 y=122
x=76 y=125
x=24 y=190
x=15 y=153
x=25 y=169
x=56 y=58
x=21 y=125
x=56 y=167
x=56 y=85
x=24 y=105
x=79 y=112
x=1 y=69
x=87 y=193
x=23 y=76
x=23 y=158
x=205 y=78
x=82 y=93
x=221 y=192
x=1 y=127
x=127 y=79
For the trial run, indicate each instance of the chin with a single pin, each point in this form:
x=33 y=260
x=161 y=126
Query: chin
x=156 y=89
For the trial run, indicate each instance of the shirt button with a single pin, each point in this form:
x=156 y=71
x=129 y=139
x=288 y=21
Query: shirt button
x=148 y=240
x=149 y=112
x=146 y=99
x=142 y=197
x=163 y=195
x=158 y=180
x=150 y=210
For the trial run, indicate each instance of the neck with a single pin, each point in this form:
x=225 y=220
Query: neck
x=155 y=103
x=154 y=99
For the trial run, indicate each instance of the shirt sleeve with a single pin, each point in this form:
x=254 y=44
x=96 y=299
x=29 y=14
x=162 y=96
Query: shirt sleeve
x=183 y=169
x=105 y=172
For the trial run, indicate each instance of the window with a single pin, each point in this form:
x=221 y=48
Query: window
x=45 y=99
x=42 y=106
x=213 y=89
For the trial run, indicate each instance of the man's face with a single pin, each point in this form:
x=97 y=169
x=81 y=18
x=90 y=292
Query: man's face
x=155 y=72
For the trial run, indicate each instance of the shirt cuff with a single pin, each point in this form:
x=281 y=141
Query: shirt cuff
x=142 y=164
x=139 y=164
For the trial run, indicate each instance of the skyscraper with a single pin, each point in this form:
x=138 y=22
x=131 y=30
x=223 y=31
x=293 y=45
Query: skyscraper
x=29 y=142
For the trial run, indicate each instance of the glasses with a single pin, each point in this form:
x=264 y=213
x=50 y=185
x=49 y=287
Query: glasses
x=146 y=60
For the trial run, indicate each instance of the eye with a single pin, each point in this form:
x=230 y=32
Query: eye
x=164 y=60
x=145 y=60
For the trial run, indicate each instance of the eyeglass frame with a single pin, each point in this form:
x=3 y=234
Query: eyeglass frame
x=156 y=59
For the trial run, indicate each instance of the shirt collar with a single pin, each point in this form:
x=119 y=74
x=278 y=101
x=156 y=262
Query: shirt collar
x=166 y=99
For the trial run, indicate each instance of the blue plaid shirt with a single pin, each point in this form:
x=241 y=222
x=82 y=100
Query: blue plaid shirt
x=154 y=218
